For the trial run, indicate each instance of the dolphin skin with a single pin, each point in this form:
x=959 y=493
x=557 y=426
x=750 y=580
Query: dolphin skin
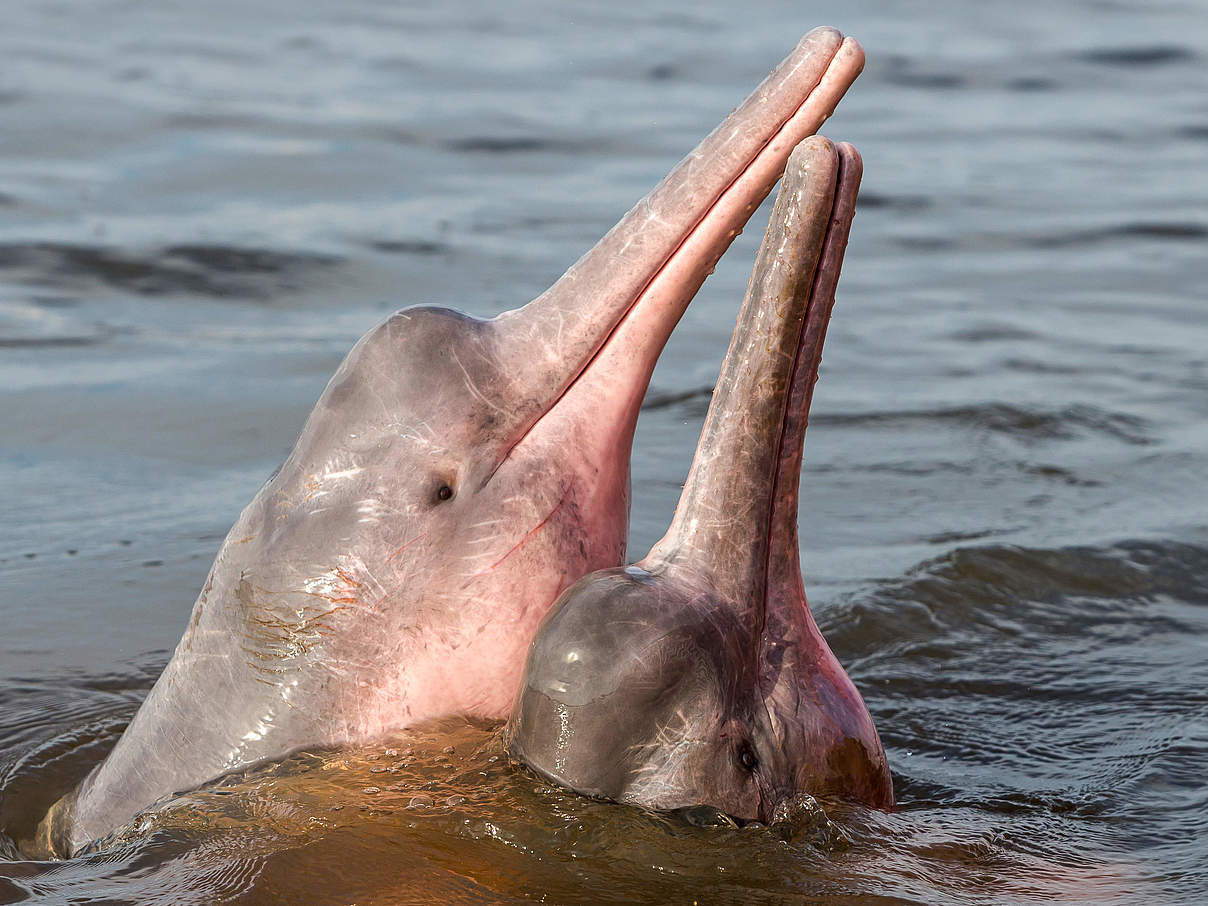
x=697 y=677
x=454 y=477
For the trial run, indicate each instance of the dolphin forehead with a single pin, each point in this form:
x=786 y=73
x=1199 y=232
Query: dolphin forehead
x=626 y=688
x=425 y=372
x=623 y=635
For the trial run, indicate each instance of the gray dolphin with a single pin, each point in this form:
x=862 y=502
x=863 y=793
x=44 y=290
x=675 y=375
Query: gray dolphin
x=454 y=477
x=698 y=676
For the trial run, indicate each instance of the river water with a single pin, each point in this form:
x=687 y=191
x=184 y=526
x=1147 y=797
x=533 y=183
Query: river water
x=1004 y=514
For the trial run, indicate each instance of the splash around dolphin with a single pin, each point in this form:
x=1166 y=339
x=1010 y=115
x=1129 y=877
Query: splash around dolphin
x=454 y=477
x=697 y=677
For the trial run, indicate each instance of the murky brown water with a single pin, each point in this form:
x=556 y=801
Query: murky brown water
x=1005 y=516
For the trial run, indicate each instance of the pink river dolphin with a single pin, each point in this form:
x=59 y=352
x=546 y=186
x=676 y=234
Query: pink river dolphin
x=455 y=476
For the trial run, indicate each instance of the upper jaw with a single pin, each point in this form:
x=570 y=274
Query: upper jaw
x=604 y=323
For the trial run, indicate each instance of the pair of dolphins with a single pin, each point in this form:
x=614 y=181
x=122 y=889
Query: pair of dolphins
x=457 y=476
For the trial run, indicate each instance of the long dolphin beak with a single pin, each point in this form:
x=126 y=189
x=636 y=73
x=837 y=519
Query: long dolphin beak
x=600 y=328
x=736 y=522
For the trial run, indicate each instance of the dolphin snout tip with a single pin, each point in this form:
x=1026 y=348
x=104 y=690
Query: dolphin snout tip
x=853 y=53
x=816 y=149
x=823 y=34
x=826 y=38
x=853 y=163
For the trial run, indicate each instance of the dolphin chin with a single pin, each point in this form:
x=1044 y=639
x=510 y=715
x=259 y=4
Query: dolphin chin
x=454 y=477
x=697 y=677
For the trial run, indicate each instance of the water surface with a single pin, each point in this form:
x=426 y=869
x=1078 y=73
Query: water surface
x=1004 y=513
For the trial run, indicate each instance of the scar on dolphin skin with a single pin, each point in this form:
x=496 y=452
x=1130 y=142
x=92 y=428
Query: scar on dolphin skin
x=285 y=633
x=528 y=535
x=406 y=545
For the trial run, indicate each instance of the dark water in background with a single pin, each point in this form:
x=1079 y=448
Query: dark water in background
x=1005 y=516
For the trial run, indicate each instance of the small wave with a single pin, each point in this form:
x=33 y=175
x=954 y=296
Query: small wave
x=658 y=399
x=1171 y=230
x=408 y=247
x=11 y=342
x=200 y=270
x=509 y=144
x=930 y=80
x=52 y=738
x=1166 y=231
x=42 y=324
x=1058 y=474
x=901 y=71
x=954 y=537
x=990 y=331
x=495 y=144
x=925 y=243
x=1031 y=84
x=1073 y=599
x=1029 y=425
x=189 y=120
x=28 y=706
x=1051 y=687
x=1153 y=55
x=902 y=203
x=232 y=260
x=1008 y=574
x=180 y=48
x=1026 y=425
x=1038 y=366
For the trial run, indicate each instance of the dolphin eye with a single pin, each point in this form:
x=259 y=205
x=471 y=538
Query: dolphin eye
x=747 y=757
x=444 y=493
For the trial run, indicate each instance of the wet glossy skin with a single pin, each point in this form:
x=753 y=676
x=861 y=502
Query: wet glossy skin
x=397 y=565
x=698 y=676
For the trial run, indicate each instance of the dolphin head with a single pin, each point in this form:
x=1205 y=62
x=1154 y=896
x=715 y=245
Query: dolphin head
x=698 y=676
